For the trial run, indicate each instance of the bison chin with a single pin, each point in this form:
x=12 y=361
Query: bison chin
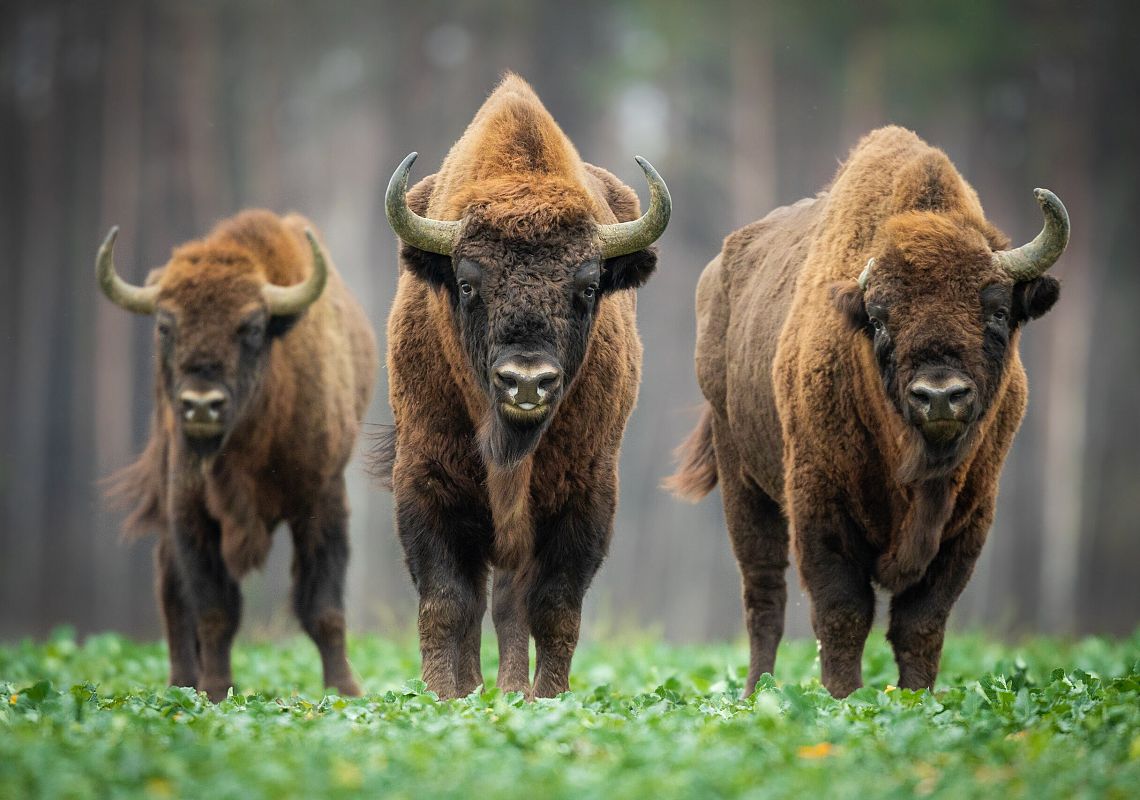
x=508 y=436
x=927 y=457
x=202 y=446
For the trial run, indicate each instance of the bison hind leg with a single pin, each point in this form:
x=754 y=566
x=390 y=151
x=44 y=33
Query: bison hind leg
x=759 y=534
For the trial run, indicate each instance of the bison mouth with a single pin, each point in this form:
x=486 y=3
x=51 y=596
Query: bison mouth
x=943 y=432
x=524 y=414
x=203 y=446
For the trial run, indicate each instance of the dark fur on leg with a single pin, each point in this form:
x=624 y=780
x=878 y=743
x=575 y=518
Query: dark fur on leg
x=446 y=553
x=508 y=611
x=214 y=596
x=320 y=547
x=177 y=617
x=919 y=614
x=570 y=548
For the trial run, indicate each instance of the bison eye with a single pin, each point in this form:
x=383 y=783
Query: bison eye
x=1001 y=315
x=251 y=333
x=466 y=289
x=877 y=324
x=590 y=291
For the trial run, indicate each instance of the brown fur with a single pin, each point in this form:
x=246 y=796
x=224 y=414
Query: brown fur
x=284 y=458
x=806 y=420
x=528 y=204
x=696 y=462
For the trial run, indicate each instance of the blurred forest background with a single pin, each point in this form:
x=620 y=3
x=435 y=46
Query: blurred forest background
x=163 y=117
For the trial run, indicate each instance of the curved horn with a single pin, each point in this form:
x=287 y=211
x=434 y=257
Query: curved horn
x=139 y=299
x=865 y=275
x=621 y=238
x=1032 y=260
x=289 y=300
x=432 y=235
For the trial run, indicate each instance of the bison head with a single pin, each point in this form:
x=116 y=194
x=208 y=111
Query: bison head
x=940 y=309
x=215 y=322
x=526 y=271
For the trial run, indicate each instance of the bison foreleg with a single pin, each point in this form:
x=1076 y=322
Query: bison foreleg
x=320 y=560
x=842 y=600
x=469 y=674
x=508 y=610
x=451 y=579
x=918 y=615
x=759 y=536
x=177 y=617
x=213 y=594
x=570 y=549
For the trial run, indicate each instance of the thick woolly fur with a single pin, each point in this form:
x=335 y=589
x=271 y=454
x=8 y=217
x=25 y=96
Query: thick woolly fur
x=473 y=487
x=297 y=388
x=807 y=375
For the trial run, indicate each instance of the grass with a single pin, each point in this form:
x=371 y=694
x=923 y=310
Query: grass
x=1046 y=718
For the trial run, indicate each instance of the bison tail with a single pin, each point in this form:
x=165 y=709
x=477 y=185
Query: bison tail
x=696 y=462
x=382 y=456
x=141 y=487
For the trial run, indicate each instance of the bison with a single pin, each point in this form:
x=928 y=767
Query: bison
x=264 y=366
x=514 y=363
x=859 y=354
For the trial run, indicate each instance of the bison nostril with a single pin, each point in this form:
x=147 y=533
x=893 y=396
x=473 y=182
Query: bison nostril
x=959 y=397
x=507 y=381
x=202 y=406
x=548 y=384
x=920 y=395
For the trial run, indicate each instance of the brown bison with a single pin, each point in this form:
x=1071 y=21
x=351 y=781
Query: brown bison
x=858 y=351
x=514 y=363
x=265 y=366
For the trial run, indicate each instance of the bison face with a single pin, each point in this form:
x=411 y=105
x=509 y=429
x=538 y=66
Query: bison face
x=525 y=312
x=215 y=321
x=214 y=335
x=940 y=316
x=526 y=269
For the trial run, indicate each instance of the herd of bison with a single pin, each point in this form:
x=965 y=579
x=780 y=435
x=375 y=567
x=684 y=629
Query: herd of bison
x=857 y=350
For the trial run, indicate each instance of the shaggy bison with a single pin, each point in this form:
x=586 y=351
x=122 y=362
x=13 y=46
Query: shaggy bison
x=858 y=351
x=265 y=366
x=514 y=363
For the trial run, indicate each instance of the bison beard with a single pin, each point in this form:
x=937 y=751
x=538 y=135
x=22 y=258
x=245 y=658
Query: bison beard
x=858 y=352
x=515 y=258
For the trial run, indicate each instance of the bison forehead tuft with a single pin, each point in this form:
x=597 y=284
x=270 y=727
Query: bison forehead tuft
x=527 y=208
x=214 y=291
x=936 y=247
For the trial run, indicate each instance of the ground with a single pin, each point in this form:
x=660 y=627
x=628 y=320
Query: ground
x=1043 y=718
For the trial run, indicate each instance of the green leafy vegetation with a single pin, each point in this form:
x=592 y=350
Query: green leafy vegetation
x=1042 y=719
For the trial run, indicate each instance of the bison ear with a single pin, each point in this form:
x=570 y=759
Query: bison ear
x=1032 y=299
x=847 y=297
x=431 y=267
x=628 y=271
